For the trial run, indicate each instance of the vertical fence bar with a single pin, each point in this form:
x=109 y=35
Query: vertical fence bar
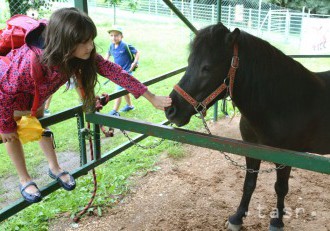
x=287 y=25
x=82 y=5
x=259 y=16
x=81 y=137
x=149 y=11
x=97 y=141
x=156 y=7
x=192 y=10
x=213 y=13
x=229 y=15
x=249 y=23
x=269 y=20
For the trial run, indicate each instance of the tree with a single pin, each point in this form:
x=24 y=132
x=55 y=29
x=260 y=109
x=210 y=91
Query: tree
x=315 y=6
x=21 y=6
x=131 y=3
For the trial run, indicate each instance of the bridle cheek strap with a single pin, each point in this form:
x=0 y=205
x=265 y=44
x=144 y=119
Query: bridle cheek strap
x=232 y=70
x=201 y=107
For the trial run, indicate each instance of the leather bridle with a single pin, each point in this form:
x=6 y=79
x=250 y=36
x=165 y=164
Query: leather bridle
x=201 y=107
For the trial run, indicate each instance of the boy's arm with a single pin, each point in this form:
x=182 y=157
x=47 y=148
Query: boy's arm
x=137 y=56
x=107 y=57
x=135 y=62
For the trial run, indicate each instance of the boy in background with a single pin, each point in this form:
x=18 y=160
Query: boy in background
x=127 y=57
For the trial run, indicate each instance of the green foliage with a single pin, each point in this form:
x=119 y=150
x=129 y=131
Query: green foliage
x=132 y=4
x=22 y=6
x=315 y=6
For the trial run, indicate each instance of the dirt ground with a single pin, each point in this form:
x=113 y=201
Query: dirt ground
x=200 y=191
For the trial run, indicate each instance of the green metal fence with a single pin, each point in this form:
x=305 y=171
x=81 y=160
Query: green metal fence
x=77 y=112
x=296 y=159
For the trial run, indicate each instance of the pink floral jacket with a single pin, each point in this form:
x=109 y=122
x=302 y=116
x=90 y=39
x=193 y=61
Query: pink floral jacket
x=17 y=86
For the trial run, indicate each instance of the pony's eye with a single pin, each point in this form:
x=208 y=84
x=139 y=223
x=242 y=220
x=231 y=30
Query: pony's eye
x=206 y=68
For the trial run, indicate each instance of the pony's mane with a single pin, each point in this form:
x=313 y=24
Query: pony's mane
x=261 y=53
x=270 y=76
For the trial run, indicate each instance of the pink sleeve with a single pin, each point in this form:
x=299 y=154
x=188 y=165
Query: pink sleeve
x=117 y=75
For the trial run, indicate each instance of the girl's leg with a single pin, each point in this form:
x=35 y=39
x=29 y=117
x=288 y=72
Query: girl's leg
x=46 y=144
x=16 y=154
x=48 y=102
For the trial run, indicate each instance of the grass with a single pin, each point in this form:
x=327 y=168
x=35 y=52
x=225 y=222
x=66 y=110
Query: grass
x=163 y=47
x=155 y=47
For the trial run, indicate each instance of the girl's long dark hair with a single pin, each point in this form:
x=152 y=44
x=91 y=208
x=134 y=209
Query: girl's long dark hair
x=67 y=28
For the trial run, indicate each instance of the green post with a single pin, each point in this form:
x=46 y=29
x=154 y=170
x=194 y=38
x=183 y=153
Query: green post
x=82 y=5
x=97 y=141
x=81 y=137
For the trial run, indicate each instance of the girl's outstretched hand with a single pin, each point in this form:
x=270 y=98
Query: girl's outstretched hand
x=159 y=102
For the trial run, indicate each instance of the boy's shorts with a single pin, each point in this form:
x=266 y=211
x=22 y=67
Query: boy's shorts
x=119 y=88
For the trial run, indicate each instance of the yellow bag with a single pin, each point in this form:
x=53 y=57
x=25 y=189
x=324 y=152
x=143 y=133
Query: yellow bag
x=29 y=129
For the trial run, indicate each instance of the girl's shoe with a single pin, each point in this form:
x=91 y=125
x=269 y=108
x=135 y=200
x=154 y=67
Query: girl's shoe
x=71 y=185
x=31 y=198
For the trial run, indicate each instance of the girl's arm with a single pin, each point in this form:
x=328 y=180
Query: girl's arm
x=115 y=73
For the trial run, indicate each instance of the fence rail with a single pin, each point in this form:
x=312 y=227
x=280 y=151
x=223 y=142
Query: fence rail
x=302 y=160
x=197 y=13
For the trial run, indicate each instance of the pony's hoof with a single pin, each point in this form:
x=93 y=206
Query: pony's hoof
x=273 y=228
x=232 y=227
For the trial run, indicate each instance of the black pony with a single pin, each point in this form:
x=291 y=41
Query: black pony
x=282 y=103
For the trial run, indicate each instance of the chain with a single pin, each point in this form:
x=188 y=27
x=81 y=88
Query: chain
x=139 y=145
x=235 y=163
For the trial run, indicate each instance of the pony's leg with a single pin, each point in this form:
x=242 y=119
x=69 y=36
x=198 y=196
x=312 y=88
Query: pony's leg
x=235 y=221
x=281 y=188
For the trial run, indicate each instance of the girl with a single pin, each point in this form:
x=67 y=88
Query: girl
x=65 y=48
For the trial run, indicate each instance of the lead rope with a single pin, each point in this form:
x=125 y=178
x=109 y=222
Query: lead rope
x=235 y=163
x=82 y=212
x=77 y=217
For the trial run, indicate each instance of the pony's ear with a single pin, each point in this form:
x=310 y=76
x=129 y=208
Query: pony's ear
x=232 y=37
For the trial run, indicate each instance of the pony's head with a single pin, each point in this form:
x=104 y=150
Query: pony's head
x=208 y=65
